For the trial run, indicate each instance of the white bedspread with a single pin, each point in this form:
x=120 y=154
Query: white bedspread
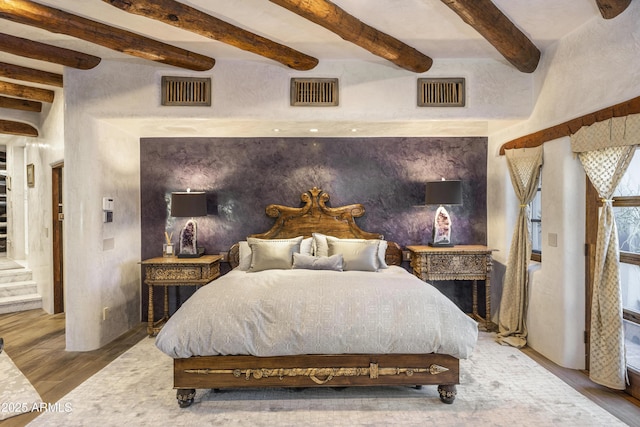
x=289 y=312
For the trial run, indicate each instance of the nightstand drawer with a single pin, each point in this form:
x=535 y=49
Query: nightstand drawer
x=459 y=265
x=182 y=272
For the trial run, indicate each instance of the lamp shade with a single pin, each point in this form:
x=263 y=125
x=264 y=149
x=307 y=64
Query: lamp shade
x=189 y=204
x=444 y=193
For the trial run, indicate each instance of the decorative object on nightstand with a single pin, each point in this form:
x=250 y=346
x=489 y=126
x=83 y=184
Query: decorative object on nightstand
x=443 y=193
x=189 y=204
x=462 y=262
x=165 y=272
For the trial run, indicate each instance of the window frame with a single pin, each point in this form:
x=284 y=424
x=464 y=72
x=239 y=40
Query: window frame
x=536 y=254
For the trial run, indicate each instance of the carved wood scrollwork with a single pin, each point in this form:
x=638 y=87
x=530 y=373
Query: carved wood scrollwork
x=316 y=217
x=320 y=375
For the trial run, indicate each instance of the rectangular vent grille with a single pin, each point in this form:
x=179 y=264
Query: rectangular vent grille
x=314 y=92
x=447 y=92
x=186 y=91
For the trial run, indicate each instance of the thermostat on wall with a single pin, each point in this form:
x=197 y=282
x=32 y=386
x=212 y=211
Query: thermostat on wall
x=107 y=208
x=107 y=204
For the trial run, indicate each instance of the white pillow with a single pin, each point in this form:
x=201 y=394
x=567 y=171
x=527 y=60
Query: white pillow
x=244 y=256
x=244 y=263
x=311 y=262
x=357 y=254
x=306 y=247
x=321 y=248
x=272 y=254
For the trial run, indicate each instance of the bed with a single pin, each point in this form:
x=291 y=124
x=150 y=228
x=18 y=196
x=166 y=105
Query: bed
x=342 y=312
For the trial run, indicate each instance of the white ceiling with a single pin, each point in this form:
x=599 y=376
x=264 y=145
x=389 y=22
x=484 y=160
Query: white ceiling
x=427 y=25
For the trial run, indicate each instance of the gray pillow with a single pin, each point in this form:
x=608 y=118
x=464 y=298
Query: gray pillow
x=358 y=254
x=272 y=254
x=309 y=262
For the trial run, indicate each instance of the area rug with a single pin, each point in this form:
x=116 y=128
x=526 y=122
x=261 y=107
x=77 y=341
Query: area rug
x=500 y=386
x=17 y=395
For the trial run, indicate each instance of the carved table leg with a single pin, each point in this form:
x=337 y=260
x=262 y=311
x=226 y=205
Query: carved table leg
x=447 y=393
x=185 y=396
x=150 y=312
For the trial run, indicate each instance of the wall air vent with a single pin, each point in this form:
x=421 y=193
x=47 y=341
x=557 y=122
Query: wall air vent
x=186 y=91
x=314 y=92
x=447 y=92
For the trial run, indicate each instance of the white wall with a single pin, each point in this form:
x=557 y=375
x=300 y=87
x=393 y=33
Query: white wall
x=102 y=157
x=594 y=67
x=101 y=260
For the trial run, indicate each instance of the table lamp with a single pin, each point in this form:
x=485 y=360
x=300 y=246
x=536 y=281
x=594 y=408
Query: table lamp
x=443 y=193
x=189 y=204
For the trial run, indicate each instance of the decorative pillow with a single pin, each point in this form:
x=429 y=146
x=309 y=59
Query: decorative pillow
x=244 y=256
x=358 y=254
x=272 y=254
x=320 y=247
x=306 y=247
x=309 y=262
x=382 y=254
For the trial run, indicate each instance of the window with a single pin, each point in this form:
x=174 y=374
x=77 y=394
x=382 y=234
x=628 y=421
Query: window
x=626 y=205
x=535 y=217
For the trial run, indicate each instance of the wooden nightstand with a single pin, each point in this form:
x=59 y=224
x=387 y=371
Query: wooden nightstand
x=174 y=271
x=472 y=262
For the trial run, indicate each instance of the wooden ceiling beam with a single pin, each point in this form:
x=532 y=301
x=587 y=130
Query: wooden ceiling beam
x=188 y=18
x=28 y=92
x=46 y=52
x=61 y=22
x=10 y=127
x=18 y=72
x=498 y=30
x=612 y=8
x=350 y=28
x=20 y=104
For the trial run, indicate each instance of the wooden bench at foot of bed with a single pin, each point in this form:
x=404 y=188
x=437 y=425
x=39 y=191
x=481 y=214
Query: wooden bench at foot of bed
x=215 y=372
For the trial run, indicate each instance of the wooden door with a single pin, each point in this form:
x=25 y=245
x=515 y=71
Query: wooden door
x=57 y=227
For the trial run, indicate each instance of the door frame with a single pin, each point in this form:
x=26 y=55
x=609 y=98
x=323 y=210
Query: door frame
x=57 y=217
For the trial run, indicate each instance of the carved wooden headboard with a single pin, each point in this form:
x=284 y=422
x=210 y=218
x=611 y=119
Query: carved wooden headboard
x=316 y=217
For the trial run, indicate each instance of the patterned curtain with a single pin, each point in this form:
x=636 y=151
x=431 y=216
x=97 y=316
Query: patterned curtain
x=605 y=150
x=524 y=168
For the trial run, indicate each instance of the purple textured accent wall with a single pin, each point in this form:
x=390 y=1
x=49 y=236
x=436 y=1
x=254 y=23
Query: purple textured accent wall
x=243 y=175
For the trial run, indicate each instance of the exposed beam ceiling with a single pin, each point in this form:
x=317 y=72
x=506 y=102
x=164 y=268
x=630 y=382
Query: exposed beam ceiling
x=46 y=52
x=350 y=28
x=27 y=92
x=59 y=21
x=191 y=19
x=18 y=72
x=39 y=39
x=10 y=127
x=494 y=26
x=20 y=104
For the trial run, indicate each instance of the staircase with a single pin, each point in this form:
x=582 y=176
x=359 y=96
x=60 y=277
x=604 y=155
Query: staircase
x=18 y=292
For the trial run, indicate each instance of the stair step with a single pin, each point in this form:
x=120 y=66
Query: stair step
x=15 y=275
x=20 y=303
x=10 y=289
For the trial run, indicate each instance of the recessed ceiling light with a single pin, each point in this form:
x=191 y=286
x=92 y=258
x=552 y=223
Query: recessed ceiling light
x=354 y=130
x=276 y=130
x=313 y=130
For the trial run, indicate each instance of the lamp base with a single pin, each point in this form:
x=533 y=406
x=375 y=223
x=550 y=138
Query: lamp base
x=196 y=255
x=441 y=245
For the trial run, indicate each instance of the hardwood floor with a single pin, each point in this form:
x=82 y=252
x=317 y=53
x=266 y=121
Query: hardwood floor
x=35 y=342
